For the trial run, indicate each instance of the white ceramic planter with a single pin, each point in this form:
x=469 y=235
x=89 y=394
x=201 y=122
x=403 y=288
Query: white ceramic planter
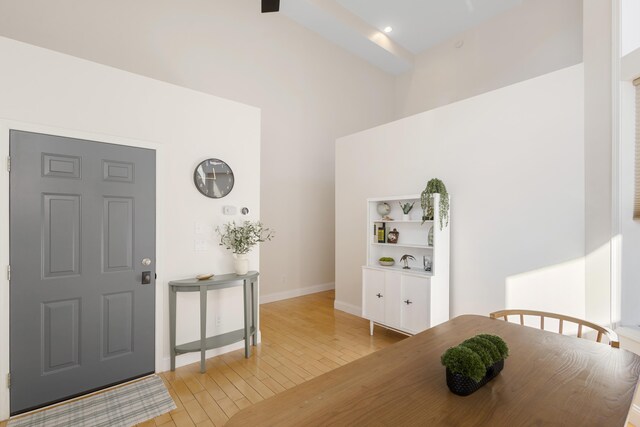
x=241 y=264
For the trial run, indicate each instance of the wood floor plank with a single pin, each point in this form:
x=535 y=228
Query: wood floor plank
x=162 y=419
x=182 y=419
x=212 y=409
x=260 y=387
x=211 y=386
x=243 y=403
x=195 y=411
x=230 y=390
x=228 y=406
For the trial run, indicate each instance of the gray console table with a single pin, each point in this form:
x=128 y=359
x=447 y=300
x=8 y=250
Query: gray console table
x=249 y=282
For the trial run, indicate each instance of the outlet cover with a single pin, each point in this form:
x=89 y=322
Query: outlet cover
x=229 y=210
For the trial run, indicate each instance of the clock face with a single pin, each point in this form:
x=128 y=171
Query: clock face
x=213 y=178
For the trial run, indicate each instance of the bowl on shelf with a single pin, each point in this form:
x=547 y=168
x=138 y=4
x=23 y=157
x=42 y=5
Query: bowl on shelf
x=386 y=261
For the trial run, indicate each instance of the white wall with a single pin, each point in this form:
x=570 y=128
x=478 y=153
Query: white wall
x=309 y=90
x=598 y=146
x=629 y=228
x=513 y=162
x=629 y=28
x=532 y=39
x=51 y=92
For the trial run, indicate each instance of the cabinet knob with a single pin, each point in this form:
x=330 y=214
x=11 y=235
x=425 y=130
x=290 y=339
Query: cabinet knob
x=408 y=302
x=379 y=295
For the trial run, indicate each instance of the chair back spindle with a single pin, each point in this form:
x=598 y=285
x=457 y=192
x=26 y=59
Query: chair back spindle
x=614 y=341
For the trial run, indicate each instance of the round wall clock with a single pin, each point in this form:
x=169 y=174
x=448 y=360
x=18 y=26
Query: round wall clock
x=213 y=178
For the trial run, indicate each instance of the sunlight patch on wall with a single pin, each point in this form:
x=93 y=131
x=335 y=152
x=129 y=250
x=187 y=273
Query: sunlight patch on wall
x=558 y=288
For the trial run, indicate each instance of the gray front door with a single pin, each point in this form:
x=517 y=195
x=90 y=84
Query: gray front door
x=82 y=218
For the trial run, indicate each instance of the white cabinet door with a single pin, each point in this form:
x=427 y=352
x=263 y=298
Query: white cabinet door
x=415 y=303
x=392 y=298
x=373 y=295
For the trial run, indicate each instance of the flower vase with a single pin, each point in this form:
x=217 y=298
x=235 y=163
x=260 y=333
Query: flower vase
x=406 y=217
x=241 y=264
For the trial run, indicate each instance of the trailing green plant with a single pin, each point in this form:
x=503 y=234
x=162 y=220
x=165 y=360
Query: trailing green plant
x=435 y=186
x=464 y=361
x=242 y=238
x=387 y=259
x=406 y=207
x=473 y=356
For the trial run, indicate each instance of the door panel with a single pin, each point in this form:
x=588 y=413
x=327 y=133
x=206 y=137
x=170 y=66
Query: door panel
x=117 y=234
x=82 y=217
x=373 y=295
x=60 y=166
x=117 y=324
x=61 y=326
x=392 y=299
x=415 y=303
x=61 y=234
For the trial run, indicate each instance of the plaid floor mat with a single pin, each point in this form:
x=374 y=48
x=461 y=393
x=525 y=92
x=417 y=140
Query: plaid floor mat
x=119 y=407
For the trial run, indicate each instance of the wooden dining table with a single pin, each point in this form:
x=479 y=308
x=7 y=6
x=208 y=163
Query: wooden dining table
x=548 y=380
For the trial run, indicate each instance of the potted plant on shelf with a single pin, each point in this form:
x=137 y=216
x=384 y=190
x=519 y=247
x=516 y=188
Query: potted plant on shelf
x=435 y=186
x=406 y=208
x=474 y=363
x=240 y=239
x=386 y=261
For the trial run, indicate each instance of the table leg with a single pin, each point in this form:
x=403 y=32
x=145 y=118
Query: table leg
x=247 y=330
x=203 y=327
x=254 y=312
x=172 y=327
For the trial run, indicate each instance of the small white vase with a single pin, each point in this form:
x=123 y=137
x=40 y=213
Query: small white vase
x=241 y=264
x=406 y=217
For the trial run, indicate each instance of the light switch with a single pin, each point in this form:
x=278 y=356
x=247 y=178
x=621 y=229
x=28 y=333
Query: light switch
x=229 y=210
x=202 y=228
x=201 y=245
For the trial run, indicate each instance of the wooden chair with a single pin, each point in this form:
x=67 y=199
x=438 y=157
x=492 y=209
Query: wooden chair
x=614 y=341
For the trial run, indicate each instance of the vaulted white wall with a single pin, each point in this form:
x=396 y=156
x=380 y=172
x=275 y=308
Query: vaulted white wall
x=49 y=92
x=529 y=40
x=310 y=92
x=513 y=162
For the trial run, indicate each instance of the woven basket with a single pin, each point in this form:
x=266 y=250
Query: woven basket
x=464 y=386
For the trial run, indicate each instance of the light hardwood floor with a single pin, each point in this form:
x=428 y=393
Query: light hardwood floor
x=301 y=338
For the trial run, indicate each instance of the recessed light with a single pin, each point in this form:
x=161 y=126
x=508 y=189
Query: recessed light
x=387 y=29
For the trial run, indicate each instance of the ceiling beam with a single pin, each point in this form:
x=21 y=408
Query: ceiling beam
x=334 y=22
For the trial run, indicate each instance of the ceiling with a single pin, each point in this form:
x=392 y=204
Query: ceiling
x=357 y=25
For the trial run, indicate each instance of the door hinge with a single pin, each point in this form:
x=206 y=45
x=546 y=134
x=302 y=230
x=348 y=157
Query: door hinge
x=8 y=163
x=9 y=380
x=8 y=272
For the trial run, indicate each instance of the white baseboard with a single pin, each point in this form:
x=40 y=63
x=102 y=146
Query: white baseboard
x=347 y=308
x=189 y=358
x=278 y=296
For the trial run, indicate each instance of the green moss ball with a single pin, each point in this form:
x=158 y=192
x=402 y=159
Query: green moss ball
x=464 y=361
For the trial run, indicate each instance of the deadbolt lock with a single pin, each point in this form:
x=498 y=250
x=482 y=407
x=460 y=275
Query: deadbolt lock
x=146 y=277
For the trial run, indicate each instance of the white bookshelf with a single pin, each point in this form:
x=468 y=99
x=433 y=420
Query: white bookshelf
x=408 y=300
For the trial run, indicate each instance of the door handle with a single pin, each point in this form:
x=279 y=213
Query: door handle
x=379 y=295
x=408 y=302
x=146 y=277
